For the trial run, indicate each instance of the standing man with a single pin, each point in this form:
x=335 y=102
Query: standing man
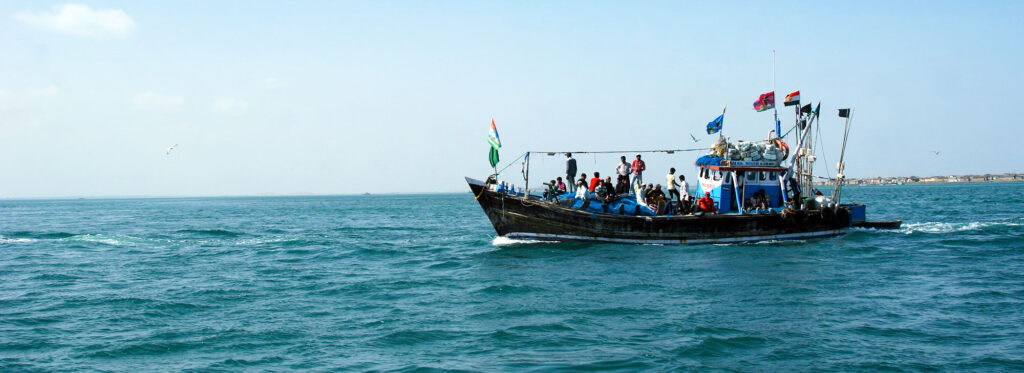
x=623 y=170
x=684 y=187
x=638 y=171
x=570 y=170
x=670 y=179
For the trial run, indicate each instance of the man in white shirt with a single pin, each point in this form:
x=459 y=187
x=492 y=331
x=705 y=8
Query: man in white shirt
x=684 y=187
x=623 y=170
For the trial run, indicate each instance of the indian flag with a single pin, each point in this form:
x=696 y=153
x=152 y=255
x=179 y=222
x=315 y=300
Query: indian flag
x=792 y=99
x=492 y=137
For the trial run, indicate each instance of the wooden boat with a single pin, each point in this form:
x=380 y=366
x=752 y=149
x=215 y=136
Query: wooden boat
x=755 y=188
x=522 y=217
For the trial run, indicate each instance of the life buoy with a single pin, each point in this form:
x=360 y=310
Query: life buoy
x=783 y=147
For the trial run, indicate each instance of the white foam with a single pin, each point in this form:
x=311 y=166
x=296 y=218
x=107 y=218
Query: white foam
x=15 y=240
x=97 y=239
x=117 y=240
x=940 y=227
x=763 y=242
x=505 y=241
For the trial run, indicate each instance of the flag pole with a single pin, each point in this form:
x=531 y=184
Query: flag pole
x=721 y=131
x=778 y=128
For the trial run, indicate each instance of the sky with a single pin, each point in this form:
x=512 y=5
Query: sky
x=314 y=97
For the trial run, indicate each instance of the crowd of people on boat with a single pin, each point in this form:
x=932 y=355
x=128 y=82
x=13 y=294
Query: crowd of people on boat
x=674 y=199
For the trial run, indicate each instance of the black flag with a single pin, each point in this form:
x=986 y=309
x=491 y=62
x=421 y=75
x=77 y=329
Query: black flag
x=844 y=113
x=806 y=109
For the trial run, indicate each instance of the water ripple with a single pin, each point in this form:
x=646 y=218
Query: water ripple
x=420 y=283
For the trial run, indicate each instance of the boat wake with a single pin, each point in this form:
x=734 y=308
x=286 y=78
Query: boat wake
x=505 y=241
x=943 y=228
x=763 y=243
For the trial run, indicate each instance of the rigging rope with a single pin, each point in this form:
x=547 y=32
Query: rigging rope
x=510 y=163
x=669 y=151
x=822 y=145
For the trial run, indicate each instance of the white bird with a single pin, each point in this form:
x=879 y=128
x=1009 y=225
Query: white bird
x=171 y=148
x=936 y=152
x=694 y=138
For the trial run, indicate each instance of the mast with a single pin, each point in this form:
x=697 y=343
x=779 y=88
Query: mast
x=807 y=159
x=840 y=167
x=799 y=156
x=526 y=175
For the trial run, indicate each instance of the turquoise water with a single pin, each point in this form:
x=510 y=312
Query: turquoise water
x=414 y=282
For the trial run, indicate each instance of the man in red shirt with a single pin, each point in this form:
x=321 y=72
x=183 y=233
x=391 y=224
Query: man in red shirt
x=593 y=181
x=638 y=168
x=706 y=204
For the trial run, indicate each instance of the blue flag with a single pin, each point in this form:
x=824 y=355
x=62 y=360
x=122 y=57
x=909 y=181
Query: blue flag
x=715 y=125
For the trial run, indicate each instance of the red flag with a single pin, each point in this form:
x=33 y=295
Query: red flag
x=765 y=101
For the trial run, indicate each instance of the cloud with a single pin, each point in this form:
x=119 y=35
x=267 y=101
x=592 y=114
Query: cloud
x=79 y=20
x=157 y=102
x=230 y=106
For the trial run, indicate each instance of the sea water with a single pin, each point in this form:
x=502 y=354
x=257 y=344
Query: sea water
x=411 y=282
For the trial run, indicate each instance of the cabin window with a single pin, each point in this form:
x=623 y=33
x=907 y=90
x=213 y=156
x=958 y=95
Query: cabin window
x=718 y=175
x=773 y=176
x=751 y=176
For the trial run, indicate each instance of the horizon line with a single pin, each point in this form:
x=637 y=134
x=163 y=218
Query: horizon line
x=261 y=195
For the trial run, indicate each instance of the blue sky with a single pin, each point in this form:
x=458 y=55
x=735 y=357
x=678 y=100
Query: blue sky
x=396 y=97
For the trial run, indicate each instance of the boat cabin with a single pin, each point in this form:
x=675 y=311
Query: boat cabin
x=734 y=184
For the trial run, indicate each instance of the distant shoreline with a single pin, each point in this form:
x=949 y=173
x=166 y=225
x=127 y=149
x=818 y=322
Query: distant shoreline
x=863 y=182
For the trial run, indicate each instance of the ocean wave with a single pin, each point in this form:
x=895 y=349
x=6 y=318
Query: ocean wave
x=97 y=238
x=542 y=328
x=114 y=240
x=210 y=232
x=720 y=346
x=285 y=242
x=40 y=235
x=413 y=337
x=941 y=227
x=507 y=289
x=4 y=240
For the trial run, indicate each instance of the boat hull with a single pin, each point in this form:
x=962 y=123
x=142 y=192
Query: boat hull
x=519 y=217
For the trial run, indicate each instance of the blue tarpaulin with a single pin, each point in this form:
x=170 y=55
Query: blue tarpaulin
x=627 y=203
x=708 y=160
